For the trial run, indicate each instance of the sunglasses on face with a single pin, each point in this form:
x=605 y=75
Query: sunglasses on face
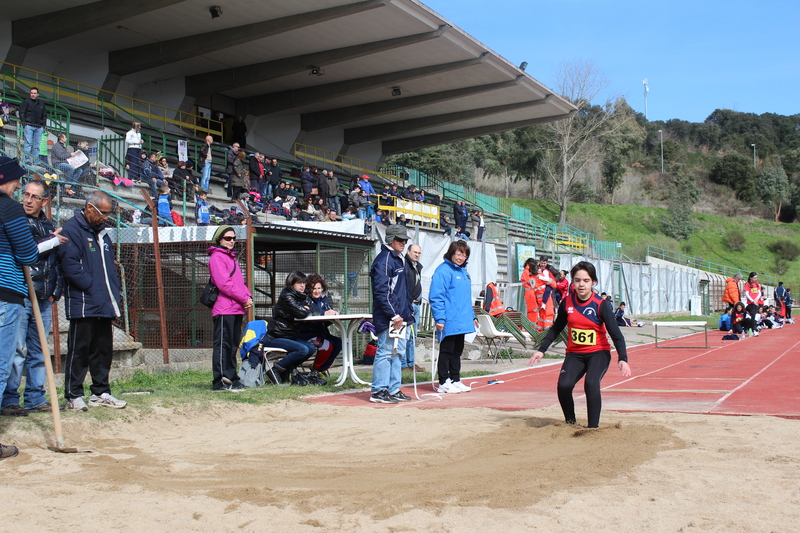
x=228 y=239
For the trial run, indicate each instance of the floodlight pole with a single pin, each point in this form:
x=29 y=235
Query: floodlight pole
x=754 y=155
x=661 y=140
x=646 y=90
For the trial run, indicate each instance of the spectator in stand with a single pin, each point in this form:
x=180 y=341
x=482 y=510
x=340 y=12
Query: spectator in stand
x=239 y=130
x=332 y=184
x=257 y=174
x=86 y=170
x=201 y=214
x=33 y=115
x=435 y=199
x=152 y=175
x=355 y=200
x=460 y=213
x=164 y=207
x=92 y=301
x=402 y=220
x=304 y=215
x=205 y=163
x=382 y=217
x=59 y=154
x=48 y=284
x=478 y=222
x=461 y=234
x=752 y=293
x=322 y=190
x=386 y=197
x=163 y=167
x=272 y=175
x=183 y=180
x=421 y=197
x=732 y=293
x=233 y=300
x=239 y=175
x=321 y=214
x=444 y=223
x=408 y=193
x=233 y=154
x=366 y=186
x=133 y=156
x=308 y=180
x=350 y=214
x=332 y=216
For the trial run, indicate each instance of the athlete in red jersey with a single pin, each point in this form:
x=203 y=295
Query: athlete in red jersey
x=587 y=317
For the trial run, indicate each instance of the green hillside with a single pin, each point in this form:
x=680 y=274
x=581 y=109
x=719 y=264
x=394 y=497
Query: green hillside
x=637 y=227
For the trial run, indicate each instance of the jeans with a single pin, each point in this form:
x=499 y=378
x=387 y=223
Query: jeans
x=10 y=316
x=408 y=357
x=133 y=158
x=333 y=203
x=480 y=232
x=32 y=138
x=297 y=352
x=70 y=173
x=386 y=371
x=205 y=177
x=33 y=363
x=362 y=213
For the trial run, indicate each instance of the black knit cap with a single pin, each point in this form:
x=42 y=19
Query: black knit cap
x=10 y=169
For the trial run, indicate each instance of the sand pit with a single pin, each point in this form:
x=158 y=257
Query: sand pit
x=296 y=466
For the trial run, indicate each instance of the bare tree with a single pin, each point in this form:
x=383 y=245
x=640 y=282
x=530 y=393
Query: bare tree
x=572 y=143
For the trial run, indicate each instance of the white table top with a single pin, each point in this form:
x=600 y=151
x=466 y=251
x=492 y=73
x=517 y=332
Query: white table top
x=335 y=317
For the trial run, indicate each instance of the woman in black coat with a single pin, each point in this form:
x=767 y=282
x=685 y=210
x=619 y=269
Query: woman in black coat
x=284 y=328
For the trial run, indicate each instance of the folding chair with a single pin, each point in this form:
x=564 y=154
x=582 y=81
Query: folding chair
x=492 y=337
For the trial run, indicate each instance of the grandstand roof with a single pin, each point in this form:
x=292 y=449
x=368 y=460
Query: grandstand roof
x=261 y=53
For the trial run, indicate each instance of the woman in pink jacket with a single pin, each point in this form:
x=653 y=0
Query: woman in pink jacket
x=228 y=311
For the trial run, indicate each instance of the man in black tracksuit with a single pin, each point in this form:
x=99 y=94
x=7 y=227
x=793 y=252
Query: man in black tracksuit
x=92 y=301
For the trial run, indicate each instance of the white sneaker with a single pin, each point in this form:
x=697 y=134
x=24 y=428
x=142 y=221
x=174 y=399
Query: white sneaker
x=461 y=387
x=77 y=404
x=106 y=400
x=448 y=387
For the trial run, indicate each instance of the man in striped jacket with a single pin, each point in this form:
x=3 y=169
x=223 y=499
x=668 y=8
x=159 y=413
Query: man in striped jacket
x=17 y=248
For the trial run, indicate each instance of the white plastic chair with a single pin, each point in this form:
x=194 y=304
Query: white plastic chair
x=493 y=336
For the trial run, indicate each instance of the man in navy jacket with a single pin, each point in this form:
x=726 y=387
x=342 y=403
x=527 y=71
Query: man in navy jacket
x=92 y=299
x=391 y=307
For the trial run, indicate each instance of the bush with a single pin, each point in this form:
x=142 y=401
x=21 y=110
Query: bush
x=785 y=249
x=736 y=240
x=781 y=266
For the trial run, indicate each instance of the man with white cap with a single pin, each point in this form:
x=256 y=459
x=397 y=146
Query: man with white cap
x=391 y=309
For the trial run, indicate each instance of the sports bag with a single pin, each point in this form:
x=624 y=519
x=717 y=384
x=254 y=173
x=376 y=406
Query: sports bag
x=210 y=292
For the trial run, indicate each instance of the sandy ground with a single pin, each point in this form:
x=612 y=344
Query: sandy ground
x=295 y=466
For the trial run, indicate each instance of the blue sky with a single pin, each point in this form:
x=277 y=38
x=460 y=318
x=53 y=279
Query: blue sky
x=697 y=55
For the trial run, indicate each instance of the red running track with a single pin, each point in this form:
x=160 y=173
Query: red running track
x=758 y=375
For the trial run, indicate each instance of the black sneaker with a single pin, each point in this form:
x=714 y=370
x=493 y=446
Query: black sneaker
x=399 y=396
x=298 y=378
x=383 y=397
x=7 y=452
x=314 y=378
x=238 y=386
x=274 y=376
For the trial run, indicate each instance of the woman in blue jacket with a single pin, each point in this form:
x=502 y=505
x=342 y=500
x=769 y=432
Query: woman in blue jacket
x=451 y=304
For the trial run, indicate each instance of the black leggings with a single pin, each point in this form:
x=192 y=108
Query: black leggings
x=594 y=366
x=744 y=325
x=450 y=350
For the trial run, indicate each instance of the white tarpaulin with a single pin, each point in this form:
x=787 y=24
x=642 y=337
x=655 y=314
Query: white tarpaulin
x=482 y=264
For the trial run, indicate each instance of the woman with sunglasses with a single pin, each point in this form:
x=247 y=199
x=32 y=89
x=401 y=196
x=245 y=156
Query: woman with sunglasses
x=228 y=311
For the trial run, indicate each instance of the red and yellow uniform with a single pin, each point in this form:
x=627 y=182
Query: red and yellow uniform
x=586 y=331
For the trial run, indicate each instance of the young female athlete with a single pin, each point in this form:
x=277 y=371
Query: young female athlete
x=587 y=317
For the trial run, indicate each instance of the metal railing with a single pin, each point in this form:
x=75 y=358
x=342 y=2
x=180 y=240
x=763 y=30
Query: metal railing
x=347 y=165
x=707 y=266
x=88 y=97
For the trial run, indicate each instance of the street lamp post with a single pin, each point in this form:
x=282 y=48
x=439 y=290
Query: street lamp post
x=661 y=140
x=754 y=155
